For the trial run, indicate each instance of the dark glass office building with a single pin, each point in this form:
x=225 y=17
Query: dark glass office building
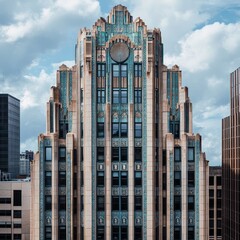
x=9 y=134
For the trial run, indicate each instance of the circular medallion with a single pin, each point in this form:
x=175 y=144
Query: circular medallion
x=119 y=52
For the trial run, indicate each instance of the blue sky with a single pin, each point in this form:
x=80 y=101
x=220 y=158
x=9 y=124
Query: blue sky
x=202 y=37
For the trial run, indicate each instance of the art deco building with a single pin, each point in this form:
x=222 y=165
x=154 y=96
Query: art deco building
x=231 y=162
x=9 y=134
x=119 y=159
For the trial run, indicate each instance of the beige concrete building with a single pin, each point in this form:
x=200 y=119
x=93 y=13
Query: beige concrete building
x=119 y=159
x=215 y=203
x=15 y=210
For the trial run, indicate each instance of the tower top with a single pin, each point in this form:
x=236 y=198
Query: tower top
x=118 y=13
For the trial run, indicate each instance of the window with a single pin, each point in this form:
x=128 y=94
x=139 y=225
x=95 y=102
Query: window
x=62 y=179
x=137 y=70
x=138 y=154
x=190 y=154
x=124 y=97
x=115 y=154
x=115 y=130
x=191 y=178
x=5 y=213
x=138 y=179
x=138 y=203
x=17 y=225
x=177 y=233
x=100 y=178
x=177 y=179
x=177 y=154
x=115 y=179
x=137 y=96
x=211 y=180
x=138 y=130
x=5 y=225
x=124 y=178
x=100 y=154
x=5 y=200
x=48 y=179
x=115 y=70
x=100 y=232
x=62 y=203
x=211 y=193
x=211 y=203
x=124 y=233
x=124 y=203
x=62 y=233
x=211 y=224
x=164 y=183
x=191 y=233
x=100 y=130
x=124 y=130
x=48 y=153
x=219 y=181
x=124 y=154
x=211 y=213
x=190 y=203
x=17 y=236
x=219 y=213
x=62 y=154
x=17 y=198
x=137 y=233
x=101 y=70
x=164 y=157
x=17 y=214
x=48 y=202
x=100 y=203
x=115 y=96
x=177 y=203
x=219 y=193
x=164 y=206
x=101 y=96
x=219 y=203
x=115 y=203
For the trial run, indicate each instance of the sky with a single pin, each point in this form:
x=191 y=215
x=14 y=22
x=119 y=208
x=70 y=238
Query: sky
x=202 y=37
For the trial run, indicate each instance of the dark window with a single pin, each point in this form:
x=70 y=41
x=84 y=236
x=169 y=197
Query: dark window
x=115 y=130
x=5 y=225
x=191 y=179
x=177 y=154
x=138 y=130
x=62 y=233
x=137 y=233
x=5 y=200
x=124 y=203
x=124 y=154
x=219 y=181
x=138 y=203
x=17 y=225
x=100 y=178
x=211 y=203
x=124 y=233
x=62 y=179
x=219 y=213
x=190 y=154
x=48 y=202
x=115 y=203
x=190 y=233
x=115 y=233
x=17 y=198
x=48 y=153
x=100 y=154
x=219 y=232
x=17 y=236
x=190 y=203
x=164 y=206
x=164 y=183
x=219 y=203
x=177 y=233
x=177 y=178
x=211 y=193
x=62 y=202
x=211 y=224
x=138 y=154
x=5 y=236
x=115 y=154
x=100 y=203
x=62 y=154
x=219 y=193
x=177 y=203
x=124 y=130
x=211 y=213
x=211 y=180
x=17 y=214
x=5 y=213
x=100 y=130
x=211 y=232
x=100 y=232
x=164 y=158
x=138 y=178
